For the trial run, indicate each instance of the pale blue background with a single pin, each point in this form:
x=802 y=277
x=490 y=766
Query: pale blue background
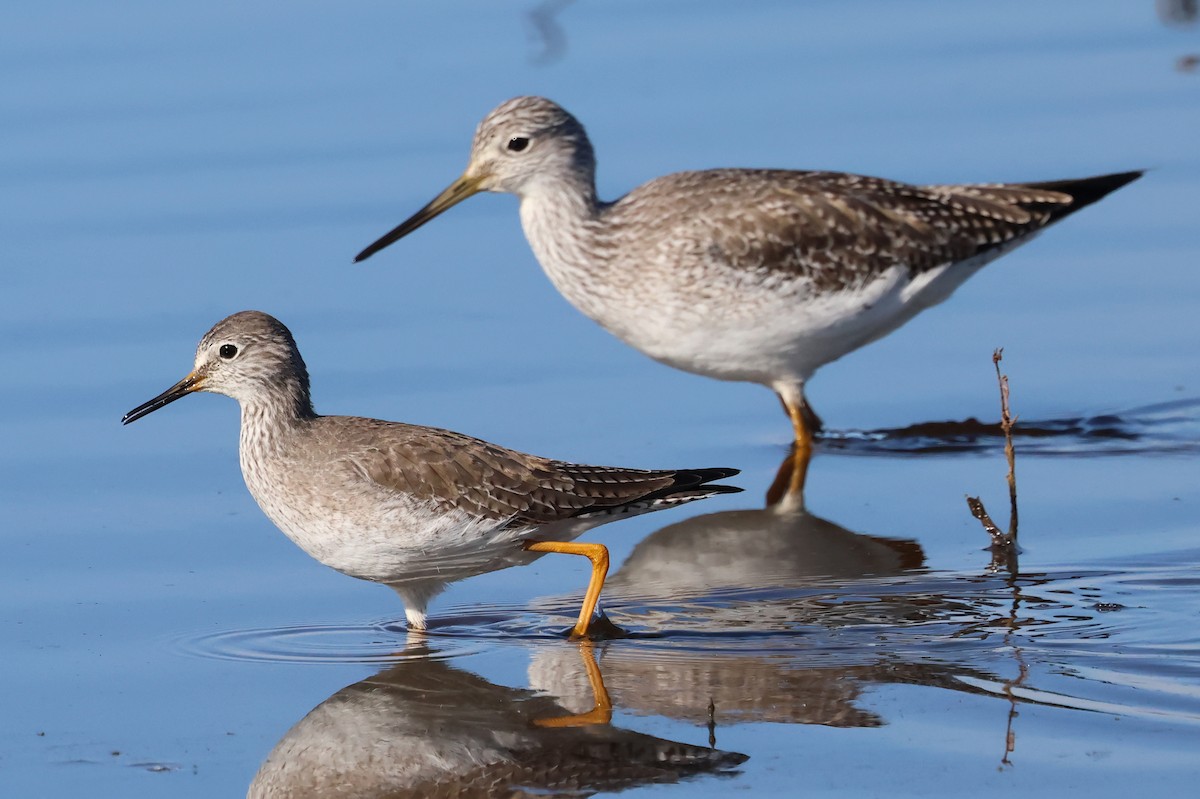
x=163 y=165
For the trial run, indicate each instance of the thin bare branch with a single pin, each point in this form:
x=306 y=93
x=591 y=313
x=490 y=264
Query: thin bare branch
x=1007 y=420
x=980 y=513
x=1004 y=544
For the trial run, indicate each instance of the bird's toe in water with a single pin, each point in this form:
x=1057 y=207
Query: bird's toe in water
x=599 y=628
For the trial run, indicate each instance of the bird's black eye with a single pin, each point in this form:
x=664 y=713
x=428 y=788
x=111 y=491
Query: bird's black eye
x=518 y=143
x=227 y=351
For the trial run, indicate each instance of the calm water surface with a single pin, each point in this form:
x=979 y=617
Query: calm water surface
x=164 y=166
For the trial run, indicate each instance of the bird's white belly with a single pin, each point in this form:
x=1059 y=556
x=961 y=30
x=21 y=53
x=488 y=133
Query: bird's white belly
x=760 y=333
x=386 y=539
x=761 y=329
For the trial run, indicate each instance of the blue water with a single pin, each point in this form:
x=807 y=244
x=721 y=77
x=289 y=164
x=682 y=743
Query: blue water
x=165 y=165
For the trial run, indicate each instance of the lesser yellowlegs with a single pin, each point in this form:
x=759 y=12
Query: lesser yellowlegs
x=746 y=274
x=415 y=508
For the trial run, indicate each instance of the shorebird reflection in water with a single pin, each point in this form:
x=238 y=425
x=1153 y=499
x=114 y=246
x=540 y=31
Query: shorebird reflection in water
x=781 y=545
x=425 y=728
x=745 y=274
x=801 y=594
x=414 y=508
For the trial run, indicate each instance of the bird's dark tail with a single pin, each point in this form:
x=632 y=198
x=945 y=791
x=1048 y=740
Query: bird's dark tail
x=1083 y=191
x=696 y=483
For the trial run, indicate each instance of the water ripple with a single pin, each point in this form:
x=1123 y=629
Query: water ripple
x=1117 y=640
x=1161 y=428
x=372 y=642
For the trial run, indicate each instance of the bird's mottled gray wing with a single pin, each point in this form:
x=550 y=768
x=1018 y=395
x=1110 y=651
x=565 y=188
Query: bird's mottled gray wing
x=491 y=482
x=841 y=230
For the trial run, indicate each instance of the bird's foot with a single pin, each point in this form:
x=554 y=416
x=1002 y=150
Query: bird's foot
x=598 y=628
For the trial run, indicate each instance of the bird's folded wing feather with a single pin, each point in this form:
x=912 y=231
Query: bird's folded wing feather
x=491 y=482
x=840 y=230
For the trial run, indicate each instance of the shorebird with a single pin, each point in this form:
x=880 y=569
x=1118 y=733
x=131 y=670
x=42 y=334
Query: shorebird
x=414 y=508
x=757 y=275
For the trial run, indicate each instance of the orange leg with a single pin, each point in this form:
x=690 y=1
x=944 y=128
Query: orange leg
x=598 y=555
x=601 y=712
x=789 y=480
x=805 y=422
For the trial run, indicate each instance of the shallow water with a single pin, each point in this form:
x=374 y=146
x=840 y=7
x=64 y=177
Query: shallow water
x=164 y=166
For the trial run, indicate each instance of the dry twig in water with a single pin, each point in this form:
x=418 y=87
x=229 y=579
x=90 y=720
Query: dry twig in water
x=1001 y=540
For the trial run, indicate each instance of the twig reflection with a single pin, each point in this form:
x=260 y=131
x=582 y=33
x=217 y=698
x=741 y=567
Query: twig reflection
x=1181 y=13
x=1012 y=626
x=543 y=19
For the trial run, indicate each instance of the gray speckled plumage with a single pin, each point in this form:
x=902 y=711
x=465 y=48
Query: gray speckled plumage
x=455 y=472
x=745 y=274
x=833 y=230
x=412 y=507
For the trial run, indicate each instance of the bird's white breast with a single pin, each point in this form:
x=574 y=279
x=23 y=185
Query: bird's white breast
x=365 y=530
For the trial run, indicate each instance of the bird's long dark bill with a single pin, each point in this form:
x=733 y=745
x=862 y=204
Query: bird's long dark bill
x=181 y=389
x=455 y=193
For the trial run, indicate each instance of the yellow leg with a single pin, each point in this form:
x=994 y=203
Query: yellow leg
x=800 y=427
x=598 y=555
x=601 y=712
x=789 y=480
x=805 y=422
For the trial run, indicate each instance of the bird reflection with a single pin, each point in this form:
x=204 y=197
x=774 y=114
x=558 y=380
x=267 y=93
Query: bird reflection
x=751 y=590
x=722 y=687
x=426 y=728
x=782 y=544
